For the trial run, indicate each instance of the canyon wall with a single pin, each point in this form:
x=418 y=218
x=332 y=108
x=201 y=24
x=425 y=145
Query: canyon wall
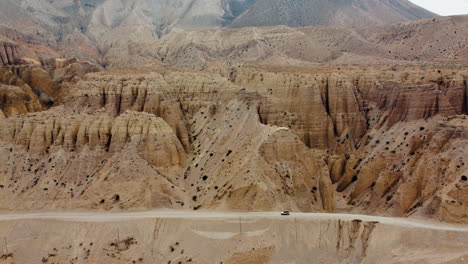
x=310 y=139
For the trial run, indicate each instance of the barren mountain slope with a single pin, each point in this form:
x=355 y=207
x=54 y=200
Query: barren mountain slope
x=354 y=13
x=100 y=31
x=412 y=42
x=440 y=39
x=253 y=118
x=244 y=145
x=228 y=49
x=170 y=131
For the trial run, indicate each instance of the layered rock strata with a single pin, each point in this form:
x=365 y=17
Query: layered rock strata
x=311 y=139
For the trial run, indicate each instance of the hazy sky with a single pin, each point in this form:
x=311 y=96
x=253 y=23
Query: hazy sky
x=444 y=7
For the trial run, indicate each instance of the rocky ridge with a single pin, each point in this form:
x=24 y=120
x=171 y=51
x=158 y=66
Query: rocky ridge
x=265 y=118
x=115 y=33
x=214 y=142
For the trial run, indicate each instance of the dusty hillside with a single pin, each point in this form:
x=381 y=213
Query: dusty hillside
x=418 y=42
x=226 y=50
x=248 y=239
x=231 y=119
x=110 y=33
x=308 y=139
x=325 y=12
x=272 y=118
x=199 y=165
x=143 y=18
x=138 y=128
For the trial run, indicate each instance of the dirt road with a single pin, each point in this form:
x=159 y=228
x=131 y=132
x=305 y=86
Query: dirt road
x=164 y=214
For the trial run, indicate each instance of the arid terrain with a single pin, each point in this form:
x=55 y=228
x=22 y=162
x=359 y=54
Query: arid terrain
x=188 y=237
x=206 y=108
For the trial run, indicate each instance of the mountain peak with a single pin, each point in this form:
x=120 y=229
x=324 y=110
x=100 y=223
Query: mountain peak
x=354 y=13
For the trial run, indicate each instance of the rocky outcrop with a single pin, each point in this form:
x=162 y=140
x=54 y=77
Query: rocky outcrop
x=25 y=89
x=39 y=133
x=240 y=164
x=412 y=168
x=375 y=121
x=37 y=78
x=9 y=54
x=308 y=140
x=323 y=106
x=16 y=100
x=90 y=161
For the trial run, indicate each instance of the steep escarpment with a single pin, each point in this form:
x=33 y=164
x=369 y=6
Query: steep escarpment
x=28 y=88
x=381 y=122
x=308 y=139
x=412 y=168
x=200 y=165
x=17 y=100
x=243 y=165
x=38 y=134
x=94 y=161
x=9 y=54
x=323 y=105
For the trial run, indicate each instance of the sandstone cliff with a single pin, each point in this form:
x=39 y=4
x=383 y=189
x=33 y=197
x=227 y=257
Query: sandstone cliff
x=9 y=54
x=307 y=139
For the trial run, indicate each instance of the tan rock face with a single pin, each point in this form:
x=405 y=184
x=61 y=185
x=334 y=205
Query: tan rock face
x=323 y=105
x=36 y=77
x=311 y=139
x=26 y=88
x=38 y=133
x=419 y=169
x=242 y=164
x=9 y=54
x=16 y=100
x=351 y=113
x=89 y=160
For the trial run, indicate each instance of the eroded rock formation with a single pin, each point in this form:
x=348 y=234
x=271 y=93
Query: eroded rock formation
x=310 y=140
x=9 y=54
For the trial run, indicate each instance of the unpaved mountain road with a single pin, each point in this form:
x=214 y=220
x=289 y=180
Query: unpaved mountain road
x=165 y=214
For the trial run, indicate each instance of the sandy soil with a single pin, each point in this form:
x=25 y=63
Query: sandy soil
x=205 y=237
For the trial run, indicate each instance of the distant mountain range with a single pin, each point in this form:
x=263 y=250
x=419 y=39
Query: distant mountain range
x=97 y=17
x=96 y=30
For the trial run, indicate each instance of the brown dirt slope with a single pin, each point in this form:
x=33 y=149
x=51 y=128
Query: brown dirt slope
x=309 y=139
